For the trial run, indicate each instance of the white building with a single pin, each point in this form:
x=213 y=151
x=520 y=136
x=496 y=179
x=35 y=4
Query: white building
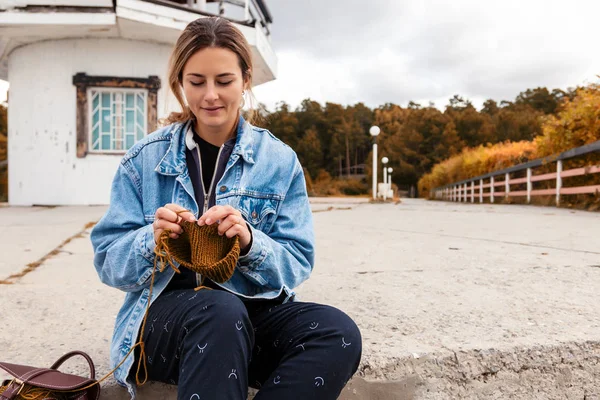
x=88 y=79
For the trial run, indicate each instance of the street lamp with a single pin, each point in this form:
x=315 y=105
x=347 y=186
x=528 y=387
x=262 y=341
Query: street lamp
x=390 y=170
x=384 y=161
x=374 y=131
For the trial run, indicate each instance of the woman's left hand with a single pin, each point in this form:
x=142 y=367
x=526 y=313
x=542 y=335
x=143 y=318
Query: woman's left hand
x=231 y=223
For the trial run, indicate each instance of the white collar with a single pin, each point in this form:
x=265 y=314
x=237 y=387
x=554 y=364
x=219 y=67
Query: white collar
x=189 y=139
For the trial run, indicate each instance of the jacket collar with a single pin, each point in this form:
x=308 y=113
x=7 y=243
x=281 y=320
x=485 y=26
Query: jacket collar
x=174 y=162
x=244 y=141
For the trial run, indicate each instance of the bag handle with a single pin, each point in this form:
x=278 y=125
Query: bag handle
x=71 y=354
x=14 y=388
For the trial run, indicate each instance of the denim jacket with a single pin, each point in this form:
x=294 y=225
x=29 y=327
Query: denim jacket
x=263 y=179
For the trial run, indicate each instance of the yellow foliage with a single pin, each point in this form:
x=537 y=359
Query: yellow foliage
x=477 y=161
x=576 y=124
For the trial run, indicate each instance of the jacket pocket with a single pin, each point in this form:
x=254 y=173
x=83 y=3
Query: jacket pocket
x=258 y=212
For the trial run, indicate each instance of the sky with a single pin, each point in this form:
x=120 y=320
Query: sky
x=380 y=51
x=395 y=51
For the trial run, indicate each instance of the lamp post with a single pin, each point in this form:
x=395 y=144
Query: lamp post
x=384 y=161
x=390 y=170
x=374 y=131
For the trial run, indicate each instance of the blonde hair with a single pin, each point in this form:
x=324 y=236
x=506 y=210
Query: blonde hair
x=197 y=35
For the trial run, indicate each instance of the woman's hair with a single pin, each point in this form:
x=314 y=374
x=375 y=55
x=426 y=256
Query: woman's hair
x=197 y=35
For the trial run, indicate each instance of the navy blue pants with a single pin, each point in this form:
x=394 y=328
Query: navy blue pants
x=214 y=346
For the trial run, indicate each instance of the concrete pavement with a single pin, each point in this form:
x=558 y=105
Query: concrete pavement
x=453 y=300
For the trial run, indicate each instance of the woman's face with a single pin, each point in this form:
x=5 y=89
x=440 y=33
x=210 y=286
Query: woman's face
x=213 y=85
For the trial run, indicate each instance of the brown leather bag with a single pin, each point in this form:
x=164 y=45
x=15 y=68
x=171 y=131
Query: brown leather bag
x=49 y=383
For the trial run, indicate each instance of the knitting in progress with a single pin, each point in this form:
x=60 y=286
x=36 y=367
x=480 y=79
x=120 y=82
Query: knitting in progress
x=200 y=249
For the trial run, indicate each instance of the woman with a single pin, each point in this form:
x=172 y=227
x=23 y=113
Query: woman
x=248 y=331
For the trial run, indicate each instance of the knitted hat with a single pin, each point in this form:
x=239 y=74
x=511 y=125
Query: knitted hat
x=201 y=249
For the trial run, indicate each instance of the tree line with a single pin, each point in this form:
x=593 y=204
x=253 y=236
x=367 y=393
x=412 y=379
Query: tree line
x=332 y=140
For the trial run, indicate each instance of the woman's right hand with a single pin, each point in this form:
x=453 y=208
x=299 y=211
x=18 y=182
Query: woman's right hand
x=170 y=217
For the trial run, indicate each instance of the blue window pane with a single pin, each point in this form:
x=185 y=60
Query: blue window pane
x=106 y=100
x=130 y=121
x=95 y=135
x=140 y=101
x=106 y=121
x=140 y=133
x=129 y=142
x=105 y=142
x=140 y=118
x=129 y=100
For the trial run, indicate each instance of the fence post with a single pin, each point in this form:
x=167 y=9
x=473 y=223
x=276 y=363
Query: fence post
x=466 y=193
x=472 y=192
x=559 y=167
x=480 y=191
x=492 y=189
x=506 y=185
x=529 y=185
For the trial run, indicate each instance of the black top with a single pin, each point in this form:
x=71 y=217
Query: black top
x=210 y=159
x=209 y=153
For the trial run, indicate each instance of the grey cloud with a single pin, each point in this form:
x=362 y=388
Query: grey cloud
x=326 y=27
x=483 y=50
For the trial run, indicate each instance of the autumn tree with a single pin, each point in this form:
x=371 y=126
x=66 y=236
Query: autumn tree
x=283 y=124
x=473 y=128
x=576 y=124
x=310 y=152
x=541 y=99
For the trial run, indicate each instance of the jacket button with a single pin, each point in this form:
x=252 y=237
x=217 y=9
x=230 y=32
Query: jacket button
x=223 y=188
x=254 y=214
